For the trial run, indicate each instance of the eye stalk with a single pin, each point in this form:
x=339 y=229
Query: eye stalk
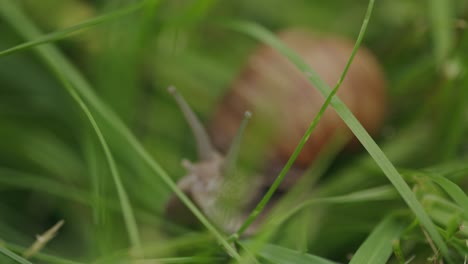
x=205 y=148
x=233 y=152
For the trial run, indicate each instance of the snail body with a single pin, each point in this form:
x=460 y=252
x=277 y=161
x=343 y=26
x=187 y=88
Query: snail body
x=282 y=98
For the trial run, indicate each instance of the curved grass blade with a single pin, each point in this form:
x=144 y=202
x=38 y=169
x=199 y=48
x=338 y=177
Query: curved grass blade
x=41 y=183
x=454 y=170
x=54 y=59
x=378 y=246
x=5 y=251
x=373 y=194
x=278 y=217
x=264 y=35
x=281 y=255
x=247 y=256
x=61 y=34
x=94 y=161
x=454 y=191
x=127 y=210
x=343 y=111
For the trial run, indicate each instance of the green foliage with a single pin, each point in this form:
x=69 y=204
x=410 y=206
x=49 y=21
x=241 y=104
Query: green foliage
x=378 y=246
x=13 y=256
x=89 y=134
x=276 y=254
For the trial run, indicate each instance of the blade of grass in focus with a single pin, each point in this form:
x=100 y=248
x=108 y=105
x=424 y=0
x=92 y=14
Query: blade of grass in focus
x=280 y=213
x=55 y=60
x=258 y=209
x=343 y=111
x=278 y=218
x=378 y=246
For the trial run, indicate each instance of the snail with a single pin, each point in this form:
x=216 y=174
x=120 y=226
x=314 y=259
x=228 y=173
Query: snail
x=284 y=101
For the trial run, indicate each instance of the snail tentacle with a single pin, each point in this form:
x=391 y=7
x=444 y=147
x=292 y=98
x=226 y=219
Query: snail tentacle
x=233 y=153
x=205 y=148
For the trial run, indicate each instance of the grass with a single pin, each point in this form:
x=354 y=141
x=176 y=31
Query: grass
x=133 y=51
x=70 y=76
x=257 y=32
x=358 y=130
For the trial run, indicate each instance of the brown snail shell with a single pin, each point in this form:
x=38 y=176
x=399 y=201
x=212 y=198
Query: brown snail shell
x=274 y=89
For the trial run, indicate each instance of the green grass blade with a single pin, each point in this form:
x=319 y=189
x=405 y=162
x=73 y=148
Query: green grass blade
x=279 y=217
x=373 y=194
x=127 y=211
x=54 y=59
x=454 y=191
x=41 y=183
x=281 y=255
x=453 y=99
x=61 y=34
x=93 y=160
x=378 y=246
x=247 y=255
x=343 y=111
x=259 y=32
x=442 y=18
x=46 y=258
x=5 y=251
x=454 y=170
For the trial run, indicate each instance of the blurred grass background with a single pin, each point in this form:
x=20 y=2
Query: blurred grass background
x=50 y=160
